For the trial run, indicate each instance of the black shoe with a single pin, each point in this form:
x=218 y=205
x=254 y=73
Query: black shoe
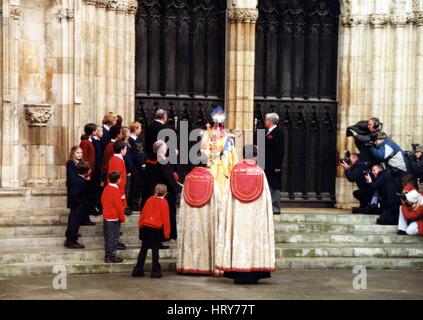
x=401 y=233
x=121 y=246
x=128 y=212
x=75 y=245
x=162 y=246
x=138 y=274
x=357 y=210
x=276 y=213
x=114 y=260
x=156 y=275
x=88 y=223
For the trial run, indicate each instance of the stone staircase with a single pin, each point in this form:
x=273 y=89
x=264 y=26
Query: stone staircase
x=31 y=243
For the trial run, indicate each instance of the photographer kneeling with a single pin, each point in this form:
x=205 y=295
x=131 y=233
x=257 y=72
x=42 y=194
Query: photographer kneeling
x=355 y=170
x=387 y=190
x=411 y=213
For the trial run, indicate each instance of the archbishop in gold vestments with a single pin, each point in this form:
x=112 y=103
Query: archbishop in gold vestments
x=219 y=148
x=245 y=240
x=200 y=205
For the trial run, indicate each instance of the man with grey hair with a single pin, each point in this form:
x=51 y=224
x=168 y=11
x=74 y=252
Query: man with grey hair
x=160 y=120
x=274 y=152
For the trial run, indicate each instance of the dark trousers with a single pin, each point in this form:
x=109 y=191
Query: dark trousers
x=134 y=196
x=111 y=231
x=151 y=239
x=75 y=219
x=390 y=214
x=363 y=195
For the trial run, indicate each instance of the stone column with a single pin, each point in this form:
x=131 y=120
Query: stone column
x=110 y=70
x=119 y=65
x=418 y=104
x=129 y=63
x=100 y=63
x=10 y=113
x=240 y=55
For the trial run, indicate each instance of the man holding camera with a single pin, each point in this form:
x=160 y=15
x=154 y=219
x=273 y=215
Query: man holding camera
x=411 y=213
x=364 y=133
x=387 y=190
x=355 y=171
x=388 y=152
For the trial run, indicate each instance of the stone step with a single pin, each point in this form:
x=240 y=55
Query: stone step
x=349 y=250
x=346 y=238
x=131 y=227
x=80 y=267
x=98 y=266
x=60 y=254
x=344 y=263
x=48 y=241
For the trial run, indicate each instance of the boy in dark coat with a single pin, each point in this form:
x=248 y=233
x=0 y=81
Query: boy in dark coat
x=78 y=202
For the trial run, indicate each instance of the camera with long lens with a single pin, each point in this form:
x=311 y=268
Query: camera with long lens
x=402 y=196
x=346 y=158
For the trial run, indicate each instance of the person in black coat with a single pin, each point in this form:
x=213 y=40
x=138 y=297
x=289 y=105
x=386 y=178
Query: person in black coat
x=274 y=153
x=387 y=189
x=137 y=154
x=75 y=157
x=109 y=121
x=417 y=163
x=355 y=171
x=78 y=202
x=363 y=133
x=152 y=131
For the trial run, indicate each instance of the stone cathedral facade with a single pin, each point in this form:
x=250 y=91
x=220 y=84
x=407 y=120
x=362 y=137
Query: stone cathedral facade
x=321 y=64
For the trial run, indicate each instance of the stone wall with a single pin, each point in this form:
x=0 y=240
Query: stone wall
x=380 y=72
x=64 y=63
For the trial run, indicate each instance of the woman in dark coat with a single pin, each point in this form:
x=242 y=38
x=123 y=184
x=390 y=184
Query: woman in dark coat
x=75 y=157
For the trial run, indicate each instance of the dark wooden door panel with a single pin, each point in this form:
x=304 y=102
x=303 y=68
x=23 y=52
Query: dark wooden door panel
x=296 y=77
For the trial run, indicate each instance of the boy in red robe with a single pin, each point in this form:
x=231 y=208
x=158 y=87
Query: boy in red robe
x=411 y=213
x=117 y=164
x=87 y=146
x=114 y=134
x=154 y=223
x=113 y=216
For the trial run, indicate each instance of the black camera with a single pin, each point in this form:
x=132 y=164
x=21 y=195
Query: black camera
x=346 y=158
x=402 y=196
x=366 y=172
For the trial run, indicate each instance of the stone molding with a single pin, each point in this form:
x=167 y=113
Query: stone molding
x=381 y=20
x=128 y=6
x=38 y=115
x=242 y=15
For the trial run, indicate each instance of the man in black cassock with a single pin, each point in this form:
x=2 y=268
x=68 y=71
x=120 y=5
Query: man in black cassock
x=152 y=131
x=274 y=152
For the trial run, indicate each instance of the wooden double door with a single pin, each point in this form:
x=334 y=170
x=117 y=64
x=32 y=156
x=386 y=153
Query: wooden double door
x=180 y=66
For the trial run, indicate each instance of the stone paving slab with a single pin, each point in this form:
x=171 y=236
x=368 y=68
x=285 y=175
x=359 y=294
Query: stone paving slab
x=284 y=285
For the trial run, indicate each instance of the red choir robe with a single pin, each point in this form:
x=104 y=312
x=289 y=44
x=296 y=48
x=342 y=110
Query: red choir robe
x=108 y=154
x=117 y=163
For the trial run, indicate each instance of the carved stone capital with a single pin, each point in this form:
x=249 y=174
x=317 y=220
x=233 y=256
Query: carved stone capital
x=90 y=2
x=418 y=19
x=242 y=15
x=378 y=20
x=417 y=5
x=101 y=3
x=400 y=20
x=38 y=115
x=15 y=11
x=132 y=6
x=354 y=20
x=112 y=5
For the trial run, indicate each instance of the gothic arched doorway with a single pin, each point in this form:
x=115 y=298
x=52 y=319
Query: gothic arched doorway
x=296 y=76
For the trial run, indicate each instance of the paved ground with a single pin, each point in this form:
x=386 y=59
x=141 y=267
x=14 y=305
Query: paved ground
x=285 y=284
